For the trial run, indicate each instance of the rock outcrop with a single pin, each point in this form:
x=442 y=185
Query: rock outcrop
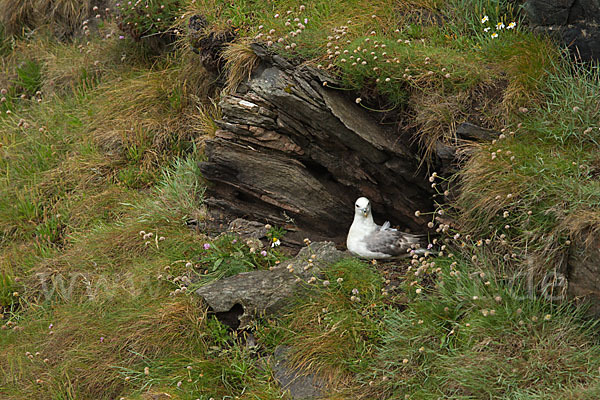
x=292 y=150
x=573 y=22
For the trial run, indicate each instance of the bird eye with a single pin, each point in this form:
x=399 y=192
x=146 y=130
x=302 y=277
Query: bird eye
x=357 y=205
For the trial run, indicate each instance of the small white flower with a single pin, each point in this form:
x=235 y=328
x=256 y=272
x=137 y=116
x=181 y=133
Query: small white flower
x=512 y=25
x=500 y=25
x=485 y=19
x=487 y=29
x=494 y=35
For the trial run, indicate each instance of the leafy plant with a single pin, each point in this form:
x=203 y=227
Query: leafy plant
x=228 y=255
x=29 y=76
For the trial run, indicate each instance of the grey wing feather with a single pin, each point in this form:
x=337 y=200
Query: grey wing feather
x=386 y=226
x=391 y=242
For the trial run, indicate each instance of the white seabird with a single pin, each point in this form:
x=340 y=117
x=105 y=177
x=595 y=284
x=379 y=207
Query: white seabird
x=366 y=239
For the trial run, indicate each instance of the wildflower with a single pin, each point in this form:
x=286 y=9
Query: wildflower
x=302 y=7
x=511 y=25
x=418 y=291
x=276 y=242
x=405 y=361
x=358 y=100
x=188 y=265
x=326 y=283
x=417 y=213
x=576 y=109
x=121 y=37
x=101 y=339
x=485 y=19
x=340 y=280
x=494 y=35
x=263 y=253
x=312 y=279
x=500 y=25
x=547 y=317
x=355 y=291
x=147 y=371
x=206 y=246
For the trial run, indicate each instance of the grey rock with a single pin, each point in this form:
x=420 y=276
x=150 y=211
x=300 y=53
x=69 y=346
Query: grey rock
x=237 y=300
x=247 y=229
x=299 y=385
x=548 y=12
x=575 y=23
x=470 y=131
x=583 y=273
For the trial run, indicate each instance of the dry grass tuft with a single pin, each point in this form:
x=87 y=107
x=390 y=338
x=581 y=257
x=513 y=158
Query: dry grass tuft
x=15 y=15
x=204 y=121
x=67 y=66
x=436 y=115
x=64 y=17
x=143 y=116
x=240 y=61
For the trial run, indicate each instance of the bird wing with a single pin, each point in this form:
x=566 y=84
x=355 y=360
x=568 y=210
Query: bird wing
x=390 y=241
x=386 y=226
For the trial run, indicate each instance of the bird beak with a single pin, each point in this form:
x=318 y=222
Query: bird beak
x=365 y=211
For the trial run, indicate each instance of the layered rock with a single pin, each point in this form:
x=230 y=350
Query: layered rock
x=292 y=150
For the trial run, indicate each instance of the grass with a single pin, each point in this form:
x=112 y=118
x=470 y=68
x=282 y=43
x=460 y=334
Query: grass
x=100 y=143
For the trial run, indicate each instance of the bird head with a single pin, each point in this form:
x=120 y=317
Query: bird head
x=362 y=207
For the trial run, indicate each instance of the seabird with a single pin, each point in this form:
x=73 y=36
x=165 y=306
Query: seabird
x=366 y=239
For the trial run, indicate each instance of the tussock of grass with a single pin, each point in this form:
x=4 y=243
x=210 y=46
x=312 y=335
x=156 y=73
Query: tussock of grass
x=240 y=61
x=143 y=117
x=63 y=16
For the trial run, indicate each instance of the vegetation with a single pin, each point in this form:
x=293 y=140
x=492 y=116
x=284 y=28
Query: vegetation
x=101 y=131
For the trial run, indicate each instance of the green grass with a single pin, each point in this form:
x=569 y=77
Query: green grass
x=99 y=175
x=472 y=337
